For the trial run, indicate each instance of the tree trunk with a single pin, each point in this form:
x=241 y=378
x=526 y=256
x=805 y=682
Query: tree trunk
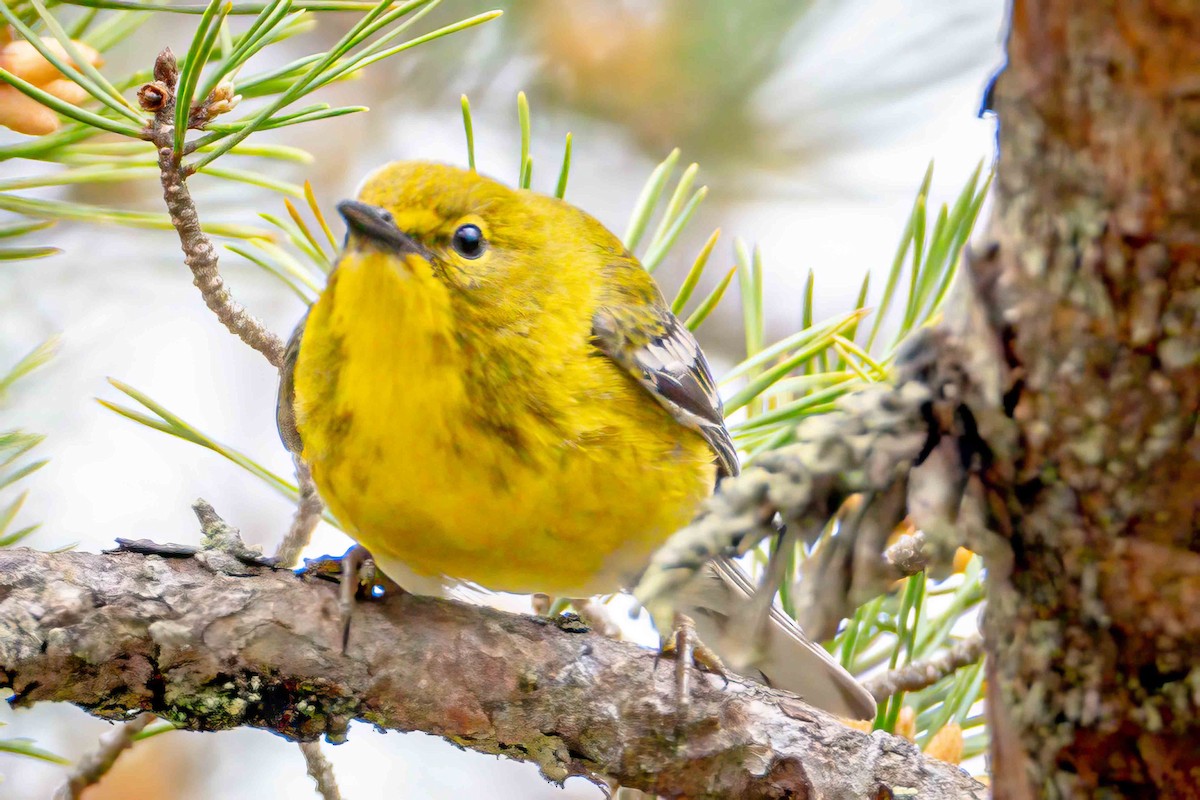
x=1093 y=624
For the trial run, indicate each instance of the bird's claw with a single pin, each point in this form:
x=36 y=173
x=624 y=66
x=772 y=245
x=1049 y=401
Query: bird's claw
x=356 y=576
x=685 y=647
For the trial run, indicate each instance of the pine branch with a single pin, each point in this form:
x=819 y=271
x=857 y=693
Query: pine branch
x=213 y=651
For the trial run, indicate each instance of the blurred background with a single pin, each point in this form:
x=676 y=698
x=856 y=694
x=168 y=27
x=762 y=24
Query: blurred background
x=813 y=123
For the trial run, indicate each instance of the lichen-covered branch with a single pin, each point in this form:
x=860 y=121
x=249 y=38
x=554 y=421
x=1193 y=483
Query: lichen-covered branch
x=867 y=448
x=210 y=651
x=866 y=445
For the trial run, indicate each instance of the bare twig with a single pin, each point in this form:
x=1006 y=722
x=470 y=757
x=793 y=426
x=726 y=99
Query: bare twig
x=96 y=764
x=320 y=770
x=212 y=651
x=198 y=250
x=920 y=674
x=304 y=521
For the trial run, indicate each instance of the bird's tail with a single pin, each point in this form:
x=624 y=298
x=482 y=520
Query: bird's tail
x=782 y=656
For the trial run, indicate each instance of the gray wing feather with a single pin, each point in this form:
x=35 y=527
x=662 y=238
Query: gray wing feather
x=671 y=366
x=285 y=409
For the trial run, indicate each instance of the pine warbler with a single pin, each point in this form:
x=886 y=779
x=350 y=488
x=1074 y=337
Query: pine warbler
x=491 y=390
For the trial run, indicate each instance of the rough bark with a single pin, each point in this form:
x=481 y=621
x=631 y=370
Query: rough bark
x=121 y=633
x=1093 y=624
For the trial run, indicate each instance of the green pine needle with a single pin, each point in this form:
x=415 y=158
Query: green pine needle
x=660 y=246
x=237 y=9
x=648 y=200
x=203 y=41
x=709 y=303
x=676 y=203
x=27 y=253
x=75 y=67
x=750 y=283
x=560 y=189
x=526 y=167
x=906 y=239
x=323 y=69
x=23 y=228
x=168 y=422
x=35 y=359
x=693 y=277
x=527 y=174
x=25 y=747
x=79 y=212
x=470 y=130
x=10 y=512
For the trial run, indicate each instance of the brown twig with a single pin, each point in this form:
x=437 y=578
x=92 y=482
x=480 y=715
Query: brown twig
x=96 y=764
x=198 y=250
x=320 y=770
x=211 y=651
x=920 y=674
x=304 y=521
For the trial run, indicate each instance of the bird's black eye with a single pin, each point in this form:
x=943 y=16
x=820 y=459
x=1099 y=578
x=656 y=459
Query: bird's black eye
x=468 y=241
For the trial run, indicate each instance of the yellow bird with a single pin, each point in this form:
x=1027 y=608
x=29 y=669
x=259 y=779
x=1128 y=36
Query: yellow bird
x=491 y=390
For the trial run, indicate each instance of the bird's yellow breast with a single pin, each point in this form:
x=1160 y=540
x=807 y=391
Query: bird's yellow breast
x=522 y=460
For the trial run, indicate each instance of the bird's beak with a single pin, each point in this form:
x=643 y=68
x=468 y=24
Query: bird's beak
x=374 y=225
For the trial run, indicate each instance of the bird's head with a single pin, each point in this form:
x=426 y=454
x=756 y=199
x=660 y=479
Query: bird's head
x=474 y=232
x=509 y=258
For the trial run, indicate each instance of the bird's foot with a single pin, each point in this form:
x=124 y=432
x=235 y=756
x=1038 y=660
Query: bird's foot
x=357 y=578
x=685 y=647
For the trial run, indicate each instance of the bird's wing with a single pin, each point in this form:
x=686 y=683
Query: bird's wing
x=784 y=656
x=653 y=346
x=285 y=410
